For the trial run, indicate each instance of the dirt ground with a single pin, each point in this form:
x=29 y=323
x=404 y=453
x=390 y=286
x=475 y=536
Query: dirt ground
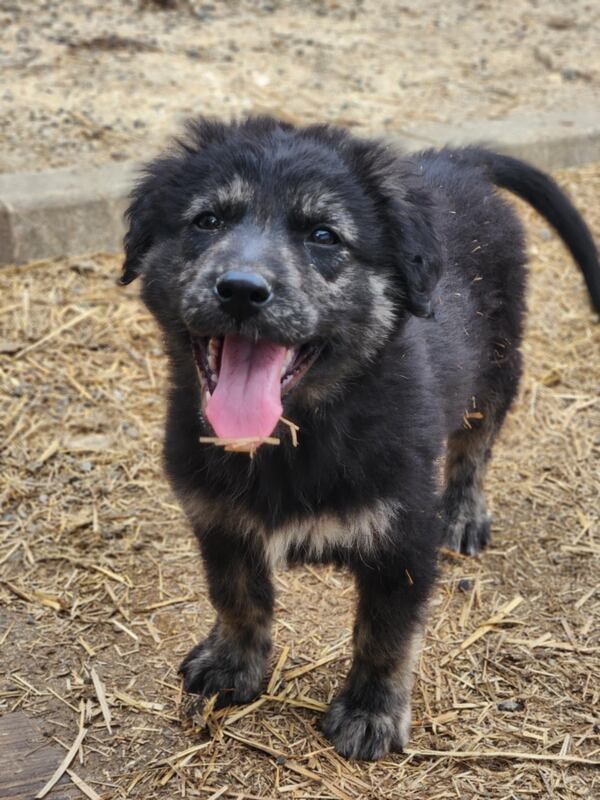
x=97 y=566
x=89 y=81
x=98 y=570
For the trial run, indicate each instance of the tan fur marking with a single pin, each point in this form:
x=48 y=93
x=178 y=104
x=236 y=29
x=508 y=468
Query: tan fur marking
x=328 y=206
x=237 y=190
x=404 y=674
x=362 y=529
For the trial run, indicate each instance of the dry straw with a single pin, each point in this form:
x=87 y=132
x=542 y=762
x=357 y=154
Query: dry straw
x=250 y=444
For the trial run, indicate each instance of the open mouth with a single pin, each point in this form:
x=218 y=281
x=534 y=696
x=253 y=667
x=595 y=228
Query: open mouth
x=243 y=382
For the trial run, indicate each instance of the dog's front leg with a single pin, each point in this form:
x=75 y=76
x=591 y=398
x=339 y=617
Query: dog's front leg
x=232 y=660
x=371 y=714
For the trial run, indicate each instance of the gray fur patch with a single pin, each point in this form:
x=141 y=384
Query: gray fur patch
x=365 y=734
x=220 y=665
x=467 y=522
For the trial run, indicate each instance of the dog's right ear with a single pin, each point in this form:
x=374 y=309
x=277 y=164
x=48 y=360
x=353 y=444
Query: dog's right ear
x=139 y=236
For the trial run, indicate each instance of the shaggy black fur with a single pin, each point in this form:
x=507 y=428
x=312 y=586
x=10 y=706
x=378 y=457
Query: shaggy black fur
x=418 y=308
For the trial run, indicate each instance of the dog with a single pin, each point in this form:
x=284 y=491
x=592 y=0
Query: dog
x=377 y=300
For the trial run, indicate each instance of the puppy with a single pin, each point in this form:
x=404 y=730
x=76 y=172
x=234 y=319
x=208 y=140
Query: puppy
x=374 y=299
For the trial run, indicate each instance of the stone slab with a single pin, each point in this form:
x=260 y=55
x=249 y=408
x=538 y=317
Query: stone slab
x=28 y=761
x=62 y=212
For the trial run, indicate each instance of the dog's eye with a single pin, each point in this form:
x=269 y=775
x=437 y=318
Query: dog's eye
x=323 y=235
x=208 y=221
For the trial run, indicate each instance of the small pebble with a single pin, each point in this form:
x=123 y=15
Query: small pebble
x=511 y=705
x=132 y=431
x=545 y=234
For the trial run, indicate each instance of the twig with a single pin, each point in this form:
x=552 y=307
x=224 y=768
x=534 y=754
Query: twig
x=101 y=695
x=293 y=430
x=486 y=627
x=56 y=332
x=64 y=764
x=513 y=755
x=82 y=786
x=275 y=677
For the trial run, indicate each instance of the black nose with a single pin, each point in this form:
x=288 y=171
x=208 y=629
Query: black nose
x=242 y=294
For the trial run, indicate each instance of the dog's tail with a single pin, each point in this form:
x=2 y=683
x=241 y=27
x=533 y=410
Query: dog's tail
x=541 y=192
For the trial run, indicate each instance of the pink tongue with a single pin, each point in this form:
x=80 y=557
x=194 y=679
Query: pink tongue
x=247 y=400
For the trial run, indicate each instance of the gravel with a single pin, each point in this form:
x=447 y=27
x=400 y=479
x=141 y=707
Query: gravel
x=91 y=82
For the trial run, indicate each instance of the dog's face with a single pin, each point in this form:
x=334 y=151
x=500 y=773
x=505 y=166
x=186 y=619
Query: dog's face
x=284 y=257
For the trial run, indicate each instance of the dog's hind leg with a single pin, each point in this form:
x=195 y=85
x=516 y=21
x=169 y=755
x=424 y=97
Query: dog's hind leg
x=464 y=508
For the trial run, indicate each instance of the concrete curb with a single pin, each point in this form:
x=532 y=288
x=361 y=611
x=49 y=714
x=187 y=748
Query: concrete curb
x=68 y=212
x=550 y=141
x=62 y=212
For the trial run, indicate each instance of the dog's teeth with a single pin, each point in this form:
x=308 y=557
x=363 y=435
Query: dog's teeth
x=212 y=356
x=287 y=361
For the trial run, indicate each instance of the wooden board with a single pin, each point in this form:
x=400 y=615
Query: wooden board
x=27 y=761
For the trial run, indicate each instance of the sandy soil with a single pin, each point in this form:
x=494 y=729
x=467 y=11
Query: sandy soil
x=90 y=81
x=98 y=569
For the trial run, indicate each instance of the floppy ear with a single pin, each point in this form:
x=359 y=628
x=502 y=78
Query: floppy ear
x=139 y=236
x=411 y=218
x=419 y=255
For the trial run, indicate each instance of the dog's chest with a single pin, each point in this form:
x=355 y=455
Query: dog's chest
x=359 y=530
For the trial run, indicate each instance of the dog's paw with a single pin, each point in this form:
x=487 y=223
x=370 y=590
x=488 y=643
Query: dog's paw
x=467 y=524
x=359 y=733
x=468 y=536
x=215 y=667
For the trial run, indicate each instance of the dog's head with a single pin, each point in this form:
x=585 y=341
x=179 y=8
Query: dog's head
x=285 y=257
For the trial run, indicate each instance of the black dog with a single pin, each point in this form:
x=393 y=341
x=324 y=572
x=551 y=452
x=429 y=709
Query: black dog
x=377 y=301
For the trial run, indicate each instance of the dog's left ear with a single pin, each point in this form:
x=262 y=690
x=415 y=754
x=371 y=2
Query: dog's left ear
x=418 y=250
x=411 y=220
